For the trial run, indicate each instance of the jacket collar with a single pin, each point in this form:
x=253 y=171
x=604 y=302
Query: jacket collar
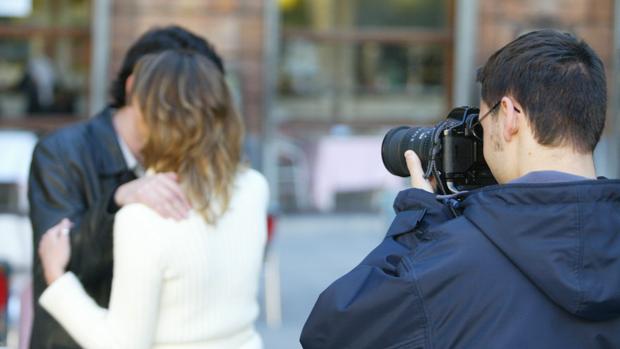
x=106 y=149
x=417 y=209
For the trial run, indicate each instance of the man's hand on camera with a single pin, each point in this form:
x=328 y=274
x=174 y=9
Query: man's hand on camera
x=161 y=192
x=417 y=173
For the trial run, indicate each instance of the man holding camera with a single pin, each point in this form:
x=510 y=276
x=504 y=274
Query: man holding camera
x=533 y=262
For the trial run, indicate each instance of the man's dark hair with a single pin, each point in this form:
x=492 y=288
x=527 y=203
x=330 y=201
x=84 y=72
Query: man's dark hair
x=558 y=80
x=154 y=41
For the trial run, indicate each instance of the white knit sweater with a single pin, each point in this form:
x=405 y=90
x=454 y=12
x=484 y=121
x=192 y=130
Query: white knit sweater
x=176 y=284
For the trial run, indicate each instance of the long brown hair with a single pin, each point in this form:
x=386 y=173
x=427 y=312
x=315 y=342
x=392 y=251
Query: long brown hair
x=193 y=127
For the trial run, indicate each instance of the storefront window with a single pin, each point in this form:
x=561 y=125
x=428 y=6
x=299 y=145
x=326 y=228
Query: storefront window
x=348 y=61
x=45 y=59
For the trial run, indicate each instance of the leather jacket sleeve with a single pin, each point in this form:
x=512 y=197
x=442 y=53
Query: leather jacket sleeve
x=56 y=190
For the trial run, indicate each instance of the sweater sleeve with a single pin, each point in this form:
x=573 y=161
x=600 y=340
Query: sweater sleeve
x=131 y=321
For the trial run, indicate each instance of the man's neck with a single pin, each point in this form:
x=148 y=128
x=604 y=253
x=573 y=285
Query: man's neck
x=561 y=159
x=125 y=127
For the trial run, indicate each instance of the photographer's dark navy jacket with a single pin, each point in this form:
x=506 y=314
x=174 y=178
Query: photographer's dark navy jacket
x=524 y=266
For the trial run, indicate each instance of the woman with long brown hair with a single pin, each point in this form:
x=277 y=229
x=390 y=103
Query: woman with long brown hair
x=177 y=284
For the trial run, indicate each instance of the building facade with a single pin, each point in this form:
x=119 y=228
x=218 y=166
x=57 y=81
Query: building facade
x=303 y=70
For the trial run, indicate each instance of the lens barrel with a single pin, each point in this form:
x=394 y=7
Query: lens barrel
x=400 y=139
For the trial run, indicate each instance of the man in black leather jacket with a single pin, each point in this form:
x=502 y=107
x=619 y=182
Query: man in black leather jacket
x=86 y=172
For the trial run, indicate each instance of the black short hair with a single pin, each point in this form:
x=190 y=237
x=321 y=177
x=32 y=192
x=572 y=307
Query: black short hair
x=560 y=83
x=154 y=41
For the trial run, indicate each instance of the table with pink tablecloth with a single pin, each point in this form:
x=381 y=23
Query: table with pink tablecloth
x=347 y=164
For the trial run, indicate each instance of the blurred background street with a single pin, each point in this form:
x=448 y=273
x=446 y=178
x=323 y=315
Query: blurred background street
x=314 y=251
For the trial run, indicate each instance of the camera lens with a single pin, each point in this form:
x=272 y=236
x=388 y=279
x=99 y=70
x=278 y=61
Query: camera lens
x=400 y=139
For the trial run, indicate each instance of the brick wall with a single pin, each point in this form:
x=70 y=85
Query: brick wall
x=234 y=27
x=502 y=21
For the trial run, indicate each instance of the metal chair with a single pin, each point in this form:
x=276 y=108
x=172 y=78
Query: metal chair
x=272 y=293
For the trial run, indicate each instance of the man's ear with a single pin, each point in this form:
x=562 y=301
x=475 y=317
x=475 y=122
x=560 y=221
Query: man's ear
x=128 y=87
x=510 y=119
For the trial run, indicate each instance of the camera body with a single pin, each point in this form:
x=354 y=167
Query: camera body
x=451 y=151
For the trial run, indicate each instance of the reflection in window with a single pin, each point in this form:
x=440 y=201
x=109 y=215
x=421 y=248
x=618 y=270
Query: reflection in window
x=44 y=60
x=391 y=68
x=300 y=72
x=308 y=68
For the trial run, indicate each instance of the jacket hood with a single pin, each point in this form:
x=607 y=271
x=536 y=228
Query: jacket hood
x=564 y=237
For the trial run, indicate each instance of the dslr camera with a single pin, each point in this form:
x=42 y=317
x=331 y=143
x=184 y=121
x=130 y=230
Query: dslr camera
x=451 y=151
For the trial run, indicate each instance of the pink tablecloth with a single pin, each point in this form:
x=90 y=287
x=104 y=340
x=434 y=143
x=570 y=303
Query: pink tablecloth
x=349 y=163
x=25 y=317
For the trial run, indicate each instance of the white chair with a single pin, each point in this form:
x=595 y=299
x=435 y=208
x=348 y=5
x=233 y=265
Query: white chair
x=16 y=147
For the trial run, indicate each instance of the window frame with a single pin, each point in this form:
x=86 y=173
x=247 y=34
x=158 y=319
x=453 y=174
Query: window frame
x=443 y=37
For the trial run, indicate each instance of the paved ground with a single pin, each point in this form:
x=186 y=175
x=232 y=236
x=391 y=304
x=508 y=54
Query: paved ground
x=314 y=251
